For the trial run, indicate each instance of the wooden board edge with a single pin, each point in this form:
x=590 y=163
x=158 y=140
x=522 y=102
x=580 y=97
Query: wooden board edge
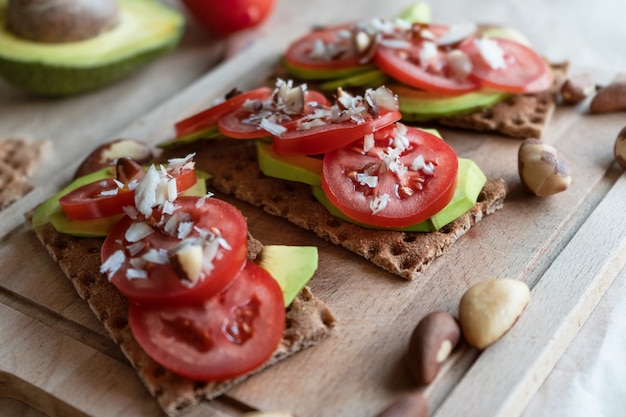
x=505 y=376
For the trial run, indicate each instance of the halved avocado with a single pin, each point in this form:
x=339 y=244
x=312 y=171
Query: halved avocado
x=146 y=30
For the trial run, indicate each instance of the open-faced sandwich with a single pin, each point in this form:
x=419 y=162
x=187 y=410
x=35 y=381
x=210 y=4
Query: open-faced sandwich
x=194 y=301
x=348 y=170
x=476 y=77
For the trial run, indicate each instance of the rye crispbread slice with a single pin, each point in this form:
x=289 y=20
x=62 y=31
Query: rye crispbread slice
x=518 y=116
x=233 y=165
x=308 y=321
x=18 y=160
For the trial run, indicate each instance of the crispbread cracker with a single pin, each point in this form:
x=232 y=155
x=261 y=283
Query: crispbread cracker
x=518 y=116
x=235 y=171
x=308 y=321
x=18 y=160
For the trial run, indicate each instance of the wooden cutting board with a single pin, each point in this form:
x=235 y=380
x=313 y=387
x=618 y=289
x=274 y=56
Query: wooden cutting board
x=56 y=357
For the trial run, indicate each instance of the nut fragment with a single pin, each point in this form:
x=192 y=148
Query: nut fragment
x=611 y=98
x=432 y=341
x=620 y=148
x=542 y=170
x=490 y=308
x=409 y=405
x=576 y=88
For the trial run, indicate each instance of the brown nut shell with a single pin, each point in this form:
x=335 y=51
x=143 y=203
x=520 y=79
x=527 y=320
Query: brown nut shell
x=433 y=339
x=410 y=405
x=609 y=99
x=490 y=308
x=107 y=154
x=542 y=169
x=576 y=88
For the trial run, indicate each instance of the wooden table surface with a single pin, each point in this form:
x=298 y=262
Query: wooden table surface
x=56 y=358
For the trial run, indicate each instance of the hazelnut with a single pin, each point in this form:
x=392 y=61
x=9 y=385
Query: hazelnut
x=576 y=88
x=609 y=99
x=409 y=405
x=490 y=308
x=542 y=170
x=432 y=341
x=620 y=148
x=187 y=260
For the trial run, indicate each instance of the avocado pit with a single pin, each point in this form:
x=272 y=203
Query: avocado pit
x=60 y=21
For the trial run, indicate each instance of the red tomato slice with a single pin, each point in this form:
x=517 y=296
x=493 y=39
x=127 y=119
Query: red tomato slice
x=100 y=199
x=300 y=54
x=234 y=124
x=209 y=117
x=525 y=70
x=230 y=334
x=413 y=193
x=162 y=284
x=404 y=66
x=330 y=136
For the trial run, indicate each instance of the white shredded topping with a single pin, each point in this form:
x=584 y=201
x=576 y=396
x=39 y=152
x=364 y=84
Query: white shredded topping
x=427 y=53
x=177 y=165
x=138 y=231
x=368 y=142
x=366 y=179
x=460 y=64
x=113 y=263
x=113 y=191
x=184 y=228
x=379 y=203
x=271 y=127
x=136 y=273
x=135 y=248
x=157 y=256
x=420 y=163
x=491 y=52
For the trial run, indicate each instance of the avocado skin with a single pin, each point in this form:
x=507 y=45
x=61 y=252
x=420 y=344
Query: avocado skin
x=56 y=81
x=61 y=79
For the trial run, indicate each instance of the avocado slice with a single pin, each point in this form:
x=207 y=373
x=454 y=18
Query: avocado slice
x=298 y=168
x=291 y=266
x=416 y=13
x=146 y=30
x=50 y=211
x=366 y=79
x=419 y=106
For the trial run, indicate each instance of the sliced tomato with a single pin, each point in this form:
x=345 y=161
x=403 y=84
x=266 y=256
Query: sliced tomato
x=403 y=65
x=161 y=283
x=228 y=335
x=330 y=136
x=236 y=124
x=373 y=188
x=302 y=57
x=106 y=198
x=209 y=117
x=524 y=71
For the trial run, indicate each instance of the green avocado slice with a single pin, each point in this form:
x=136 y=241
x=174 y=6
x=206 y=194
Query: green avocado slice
x=50 y=211
x=297 y=168
x=419 y=106
x=291 y=266
x=366 y=79
x=146 y=30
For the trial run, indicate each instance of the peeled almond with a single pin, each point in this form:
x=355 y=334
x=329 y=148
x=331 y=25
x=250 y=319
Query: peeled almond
x=490 y=308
